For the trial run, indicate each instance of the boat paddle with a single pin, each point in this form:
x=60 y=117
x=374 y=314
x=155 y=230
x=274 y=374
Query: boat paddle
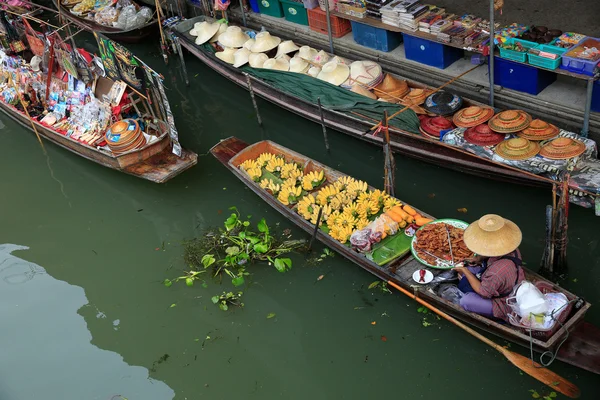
x=533 y=369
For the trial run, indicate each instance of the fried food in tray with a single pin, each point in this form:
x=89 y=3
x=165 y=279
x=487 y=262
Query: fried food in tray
x=433 y=239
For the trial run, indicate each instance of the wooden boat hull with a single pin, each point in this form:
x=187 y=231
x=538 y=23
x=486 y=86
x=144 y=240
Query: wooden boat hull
x=400 y=271
x=154 y=162
x=131 y=36
x=405 y=143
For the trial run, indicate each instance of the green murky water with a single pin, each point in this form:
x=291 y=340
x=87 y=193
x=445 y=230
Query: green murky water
x=85 y=315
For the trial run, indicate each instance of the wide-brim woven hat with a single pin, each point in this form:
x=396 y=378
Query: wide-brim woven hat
x=334 y=73
x=248 y=44
x=539 y=130
x=359 y=89
x=472 y=116
x=562 y=148
x=443 y=103
x=241 y=57
x=222 y=29
x=509 y=121
x=341 y=60
x=314 y=71
x=233 y=37
x=415 y=97
x=391 y=89
x=257 y=60
x=517 y=149
x=432 y=126
x=321 y=58
x=279 y=64
x=365 y=73
x=204 y=31
x=482 y=135
x=264 y=42
x=307 y=53
x=226 y=55
x=286 y=47
x=299 y=65
x=492 y=236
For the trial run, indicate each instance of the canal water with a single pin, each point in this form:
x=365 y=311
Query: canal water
x=84 y=249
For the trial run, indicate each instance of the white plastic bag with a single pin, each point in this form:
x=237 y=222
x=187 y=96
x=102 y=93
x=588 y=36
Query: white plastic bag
x=527 y=299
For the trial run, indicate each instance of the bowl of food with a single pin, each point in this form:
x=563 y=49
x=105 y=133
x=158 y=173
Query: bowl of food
x=439 y=244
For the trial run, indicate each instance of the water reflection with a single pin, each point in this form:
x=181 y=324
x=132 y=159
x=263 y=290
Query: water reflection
x=49 y=349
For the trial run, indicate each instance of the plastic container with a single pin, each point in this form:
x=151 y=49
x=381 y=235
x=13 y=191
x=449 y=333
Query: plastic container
x=317 y=20
x=331 y=4
x=430 y=53
x=375 y=38
x=518 y=56
x=521 y=77
x=294 y=12
x=271 y=7
x=596 y=97
x=310 y=4
x=547 y=62
x=254 y=6
x=578 y=65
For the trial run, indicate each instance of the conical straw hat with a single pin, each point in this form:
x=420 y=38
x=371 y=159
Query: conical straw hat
x=233 y=37
x=362 y=91
x=517 y=149
x=314 y=71
x=366 y=73
x=562 y=148
x=279 y=64
x=226 y=55
x=415 y=97
x=443 y=103
x=321 y=58
x=510 y=121
x=539 y=130
x=257 y=60
x=341 y=60
x=249 y=43
x=240 y=57
x=334 y=73
x=482 y=135
x=286 y=47
x=285 y=57
x=264 y=42
x=472 y=116
x=492 y=236
x=204 y=31
x=222 y=29
x=392 y=89
x=307 y=53
x=298 y=65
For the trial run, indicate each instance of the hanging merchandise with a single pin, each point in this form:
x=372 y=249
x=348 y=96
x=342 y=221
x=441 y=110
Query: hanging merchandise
x=221 y=5
x=35 y=43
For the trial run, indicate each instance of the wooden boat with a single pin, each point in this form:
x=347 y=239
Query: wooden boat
x=406 y=143
x=154 y=162
x=582 y=348
x=135 y=35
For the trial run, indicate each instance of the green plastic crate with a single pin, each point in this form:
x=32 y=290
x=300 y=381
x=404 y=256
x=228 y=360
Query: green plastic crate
x=270 y=7
x=294 y=12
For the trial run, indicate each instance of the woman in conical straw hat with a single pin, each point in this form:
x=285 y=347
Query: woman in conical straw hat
x=489 y=278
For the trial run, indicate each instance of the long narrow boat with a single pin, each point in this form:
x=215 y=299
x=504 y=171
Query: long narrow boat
x=582 y=348
x=406 y=143
x=135 y=35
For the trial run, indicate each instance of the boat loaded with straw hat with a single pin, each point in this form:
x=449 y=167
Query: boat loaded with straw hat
x=385 y=241
x=311 y=73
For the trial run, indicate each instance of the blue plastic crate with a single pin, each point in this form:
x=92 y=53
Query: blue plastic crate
x=578 y=65
x=430 y=53
x=375 y=38
x=254 y=6
x=521 y=77
x=596 y=97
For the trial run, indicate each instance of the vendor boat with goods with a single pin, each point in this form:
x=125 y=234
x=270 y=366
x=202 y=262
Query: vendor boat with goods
x=440 y=127
x=120 y=20
x=91 y=105
x=377 y=231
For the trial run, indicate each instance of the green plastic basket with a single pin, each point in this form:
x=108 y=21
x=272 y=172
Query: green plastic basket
x=270 y=7
x=517 y=55
x=294 y=12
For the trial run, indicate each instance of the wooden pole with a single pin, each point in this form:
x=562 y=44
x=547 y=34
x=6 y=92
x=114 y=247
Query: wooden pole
x=388 y=167
x=253 y=99
x=323 y=124
x=163 y=42
x=50 y=66
x=560 y=248
x=178 y=45
x=546 y=264
x=14 y=85
x=314 y=235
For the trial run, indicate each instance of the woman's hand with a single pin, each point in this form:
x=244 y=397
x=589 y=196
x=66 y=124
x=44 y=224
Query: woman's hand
x=460 y=271
x=474 y=260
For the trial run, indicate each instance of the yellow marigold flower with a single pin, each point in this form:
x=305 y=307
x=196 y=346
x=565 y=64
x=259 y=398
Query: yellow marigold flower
x=264 y=158
x=390 y=202
x=254 y=173
x=275 y=164
x=287 y=169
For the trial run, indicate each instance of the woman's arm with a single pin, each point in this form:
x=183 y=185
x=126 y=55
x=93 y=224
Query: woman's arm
x=475 y=283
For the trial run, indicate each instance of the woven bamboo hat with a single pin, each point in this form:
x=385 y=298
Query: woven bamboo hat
x=510 y=121
x=341 y=60
x=415 y=97
x=298 y=65
x=334 y=73
x=517 y=149
x=432 y=127
x=539 y=130
x=233 y=37
x=314 y=71
x=391 y=89
x=248 y=44
x=226 y=55
x=279 y=64
x=359 y=89
x=264 y=42
x=492 y=236
x=472 y=116
x=443 y=103
x=562 y=148
x=222 y=29
x=366 y=73
x=204 y=31
x=257 y=60
x=482 y=135
x=286 y=47
x=321 y=58
x=240 y=57
x=307 y=53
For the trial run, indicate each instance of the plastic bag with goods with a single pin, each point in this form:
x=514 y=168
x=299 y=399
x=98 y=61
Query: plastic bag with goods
x=360 y=240
x=106 y=16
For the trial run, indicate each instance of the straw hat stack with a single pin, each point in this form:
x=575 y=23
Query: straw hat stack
x=510 y=121
x=257 y=60
x=124 y=136
x=416 y=97
x=392 y=89
x=562 y=148
x=443 y=103
x=264 y=42
x=472 y=116
x=334 y=73
x=321 y=58
x=299 y=65
x=517 y=149
x=359 y=89
x=227 y=55
x=222 y=29
x=204 y=31
x=366 y=73
x=233 y=37
x=241 y=57
x=279 y=64
x=286 y=47
x=492 y=236
x=248 y=44
x=307 y=53
x=431 y=127
x=539 y=130
x=482 y=135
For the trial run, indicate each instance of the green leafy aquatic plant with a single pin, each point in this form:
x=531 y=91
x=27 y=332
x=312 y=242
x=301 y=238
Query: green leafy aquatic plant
x=228 y=299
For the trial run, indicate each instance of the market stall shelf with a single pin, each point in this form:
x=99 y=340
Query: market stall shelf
x=582 y=349
x=134 y=35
